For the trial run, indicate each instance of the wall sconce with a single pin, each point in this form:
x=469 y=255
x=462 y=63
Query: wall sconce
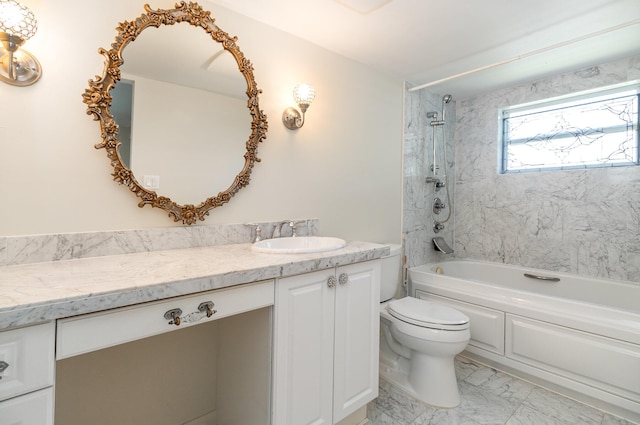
x=17 y=25
x=303 y=94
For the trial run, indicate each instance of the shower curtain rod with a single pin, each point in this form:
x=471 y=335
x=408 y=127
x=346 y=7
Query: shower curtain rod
x=525 y=55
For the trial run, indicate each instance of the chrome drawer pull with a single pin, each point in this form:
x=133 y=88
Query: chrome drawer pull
x=173 y=316
x=3 y=366
x=207 y=307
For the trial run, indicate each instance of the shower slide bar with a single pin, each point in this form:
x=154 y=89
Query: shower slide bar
x=526 y=55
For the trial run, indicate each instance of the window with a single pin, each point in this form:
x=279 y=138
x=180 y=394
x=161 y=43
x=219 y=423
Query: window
x=597 y=129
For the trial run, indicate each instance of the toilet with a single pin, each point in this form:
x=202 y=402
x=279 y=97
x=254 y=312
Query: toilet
x=419 y=340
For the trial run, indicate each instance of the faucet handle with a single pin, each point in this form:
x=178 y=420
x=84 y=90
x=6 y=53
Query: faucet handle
x=293 y=225
x=258 y=232
x=258 y=237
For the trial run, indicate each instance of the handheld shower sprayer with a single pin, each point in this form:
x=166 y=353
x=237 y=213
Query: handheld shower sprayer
x=434 y=115
x=445 y=99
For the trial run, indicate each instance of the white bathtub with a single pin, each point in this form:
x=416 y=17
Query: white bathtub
x=577 y=335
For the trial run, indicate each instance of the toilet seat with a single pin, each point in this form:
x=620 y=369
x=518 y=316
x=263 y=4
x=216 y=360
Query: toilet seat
x=428 y=314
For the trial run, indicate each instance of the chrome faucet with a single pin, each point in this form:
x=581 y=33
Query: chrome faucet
x=277 y=229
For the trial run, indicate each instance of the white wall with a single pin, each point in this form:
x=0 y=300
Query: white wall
x=343 y=166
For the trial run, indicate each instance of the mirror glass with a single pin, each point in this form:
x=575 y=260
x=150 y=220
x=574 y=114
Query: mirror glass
x=189 y=118
x=178 y=109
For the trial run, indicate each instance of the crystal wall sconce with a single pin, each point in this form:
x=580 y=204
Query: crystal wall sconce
x=17 y=25
x=303 y=94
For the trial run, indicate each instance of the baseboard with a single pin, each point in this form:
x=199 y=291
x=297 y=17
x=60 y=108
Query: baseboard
x=206 y=419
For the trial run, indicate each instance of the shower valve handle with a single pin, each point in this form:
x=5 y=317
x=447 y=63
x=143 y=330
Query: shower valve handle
x=438 y=205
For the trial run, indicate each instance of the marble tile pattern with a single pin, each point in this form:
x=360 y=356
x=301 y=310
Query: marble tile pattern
x=65 y=246
x=36 y=292
x=489 y=397
x=579 y=221
x=418 y=196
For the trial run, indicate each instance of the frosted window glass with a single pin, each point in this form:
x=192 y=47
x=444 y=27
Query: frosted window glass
x=600 y=131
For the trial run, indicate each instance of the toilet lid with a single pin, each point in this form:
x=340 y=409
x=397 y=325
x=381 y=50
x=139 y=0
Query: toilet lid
x=428 y=314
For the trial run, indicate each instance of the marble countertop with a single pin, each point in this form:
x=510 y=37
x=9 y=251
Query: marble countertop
x=38 y=292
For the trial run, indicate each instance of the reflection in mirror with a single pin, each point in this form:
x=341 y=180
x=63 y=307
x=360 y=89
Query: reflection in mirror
x=122 y=110
x=189 y=113
x=190 y=116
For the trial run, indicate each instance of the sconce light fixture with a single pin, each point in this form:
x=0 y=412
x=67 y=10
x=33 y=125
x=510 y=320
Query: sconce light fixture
x=17 y=25
x=303 y=94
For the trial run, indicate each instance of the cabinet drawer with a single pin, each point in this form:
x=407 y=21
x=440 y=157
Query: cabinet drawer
x=31 y=409
x=486 y=325
x=91 y=332
x=26 y=355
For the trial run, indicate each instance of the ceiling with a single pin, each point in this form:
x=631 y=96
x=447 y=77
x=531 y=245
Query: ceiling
x=423 y=41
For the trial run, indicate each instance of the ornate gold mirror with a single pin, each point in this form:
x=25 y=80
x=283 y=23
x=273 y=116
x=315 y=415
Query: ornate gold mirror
x=167 y=144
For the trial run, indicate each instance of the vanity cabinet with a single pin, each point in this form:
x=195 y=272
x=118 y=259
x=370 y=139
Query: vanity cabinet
x=214 y=335
x=326 y=337
x=26 y=375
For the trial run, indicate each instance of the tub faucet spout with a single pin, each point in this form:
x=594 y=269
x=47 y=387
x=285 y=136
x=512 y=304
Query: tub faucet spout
x=440 y=245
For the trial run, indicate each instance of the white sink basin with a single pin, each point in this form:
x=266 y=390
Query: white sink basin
x=299 y=245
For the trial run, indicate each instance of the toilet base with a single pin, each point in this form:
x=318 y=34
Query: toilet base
x=445 y=396
x=434 y=380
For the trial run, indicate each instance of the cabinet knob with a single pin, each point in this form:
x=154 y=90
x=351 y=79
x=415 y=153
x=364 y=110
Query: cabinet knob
x=173 y=316
x=343 y=278
x=3 y=366
x=331 y=281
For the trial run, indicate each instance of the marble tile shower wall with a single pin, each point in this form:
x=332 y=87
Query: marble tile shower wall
x=417 y=217
x=16 y=250
x=579 y=221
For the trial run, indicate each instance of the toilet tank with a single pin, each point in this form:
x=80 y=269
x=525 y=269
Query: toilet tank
x=391 y=273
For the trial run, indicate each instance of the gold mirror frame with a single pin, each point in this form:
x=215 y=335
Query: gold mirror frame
x=98 y=99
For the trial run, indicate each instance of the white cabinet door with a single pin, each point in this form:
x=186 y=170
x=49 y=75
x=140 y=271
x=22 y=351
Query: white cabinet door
x=326 y=344
x=356 y=339
x=303 y=346
x=26 y=359
x=31 y=409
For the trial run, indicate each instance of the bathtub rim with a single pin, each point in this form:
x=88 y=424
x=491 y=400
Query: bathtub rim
x=607 y=321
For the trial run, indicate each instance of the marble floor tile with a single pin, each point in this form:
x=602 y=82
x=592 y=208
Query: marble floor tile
x=528 y=416
x=612 y=420
x=564 y=410
x=465 y=367
x=500 y=384
x=489 y=397
x=394 y=406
